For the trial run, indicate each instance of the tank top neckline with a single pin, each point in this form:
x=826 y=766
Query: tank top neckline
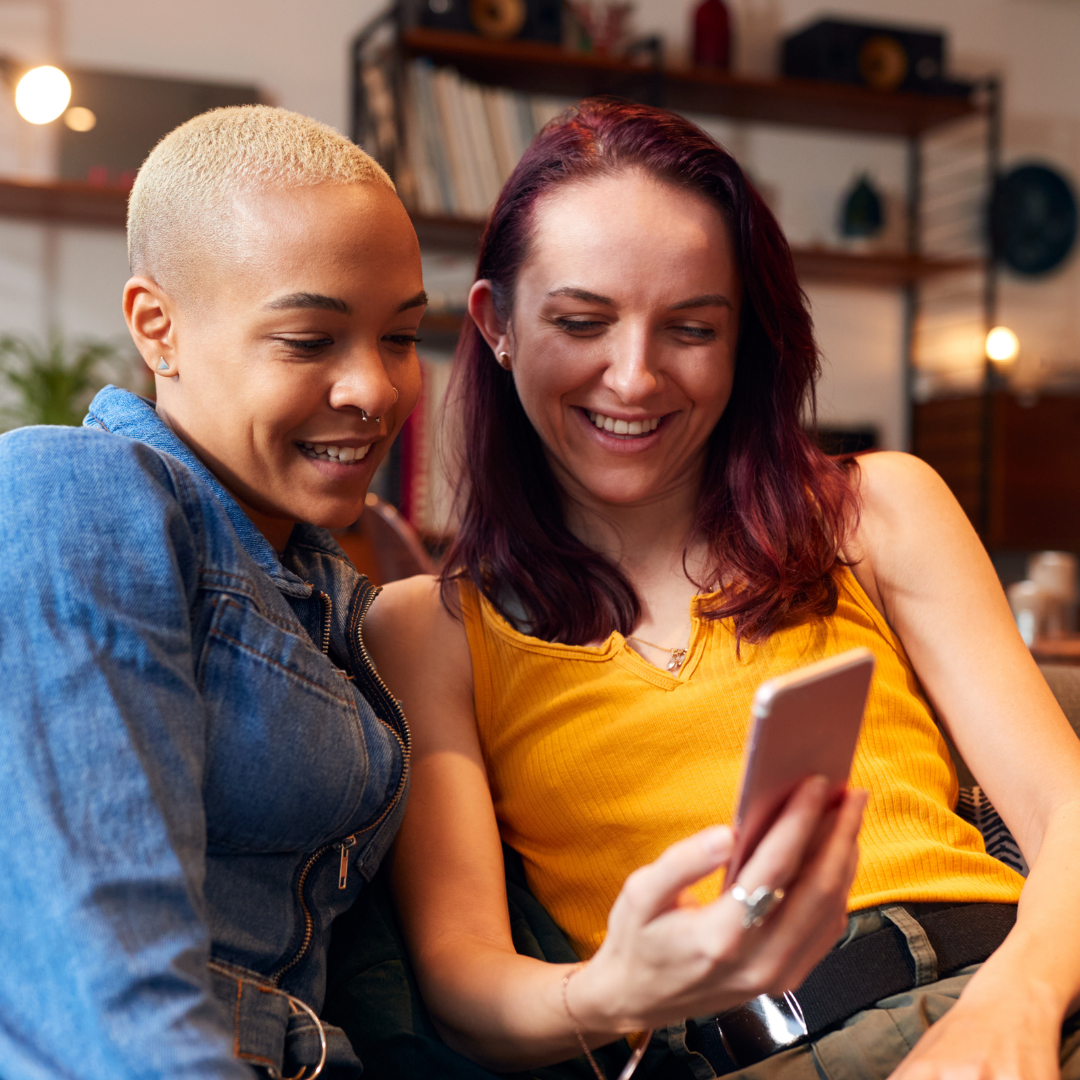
x=617 y=649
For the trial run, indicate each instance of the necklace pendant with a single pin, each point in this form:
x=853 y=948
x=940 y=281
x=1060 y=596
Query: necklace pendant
x=677 y=658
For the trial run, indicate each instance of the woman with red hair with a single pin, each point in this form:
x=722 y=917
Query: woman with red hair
x=648 y=533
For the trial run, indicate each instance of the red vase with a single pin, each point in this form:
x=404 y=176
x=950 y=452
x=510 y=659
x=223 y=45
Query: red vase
x=712 y=35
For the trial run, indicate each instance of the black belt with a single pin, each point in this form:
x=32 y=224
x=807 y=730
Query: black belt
x=847 y=981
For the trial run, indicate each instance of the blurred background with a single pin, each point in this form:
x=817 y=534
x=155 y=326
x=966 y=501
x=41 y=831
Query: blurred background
x=922 y=157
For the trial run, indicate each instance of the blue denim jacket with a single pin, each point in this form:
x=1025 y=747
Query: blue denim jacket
x=198 y=763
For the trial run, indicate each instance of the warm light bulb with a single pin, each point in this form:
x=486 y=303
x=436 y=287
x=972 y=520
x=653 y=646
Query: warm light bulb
x=42 y=94
x=1002 y=345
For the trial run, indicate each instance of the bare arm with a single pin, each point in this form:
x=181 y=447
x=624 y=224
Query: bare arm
x=660 y=961
x=925 y=569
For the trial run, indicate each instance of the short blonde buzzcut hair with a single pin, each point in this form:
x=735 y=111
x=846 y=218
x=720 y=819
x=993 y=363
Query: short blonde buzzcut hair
x=181 y=201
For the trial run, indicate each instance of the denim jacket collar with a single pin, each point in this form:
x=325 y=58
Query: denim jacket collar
x=124 y=413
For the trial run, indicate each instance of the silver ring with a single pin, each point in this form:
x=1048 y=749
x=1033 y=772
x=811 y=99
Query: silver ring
x=758 y=904
x=365 y=415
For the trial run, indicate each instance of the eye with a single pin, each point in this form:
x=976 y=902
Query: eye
x=697 y=333
x=403 y=341
x=306 y=345
x=579 y=326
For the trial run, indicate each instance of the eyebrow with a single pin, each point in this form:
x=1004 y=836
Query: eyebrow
x=706 y=300
x=333 y=303
x=582 y=294
x=309 y=300
x=419 y=300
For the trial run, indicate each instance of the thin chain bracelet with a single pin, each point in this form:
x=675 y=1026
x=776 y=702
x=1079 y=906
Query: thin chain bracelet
x=635 y=1057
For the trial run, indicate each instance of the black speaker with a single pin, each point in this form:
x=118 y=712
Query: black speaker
x=528 y=20
x=867 y=54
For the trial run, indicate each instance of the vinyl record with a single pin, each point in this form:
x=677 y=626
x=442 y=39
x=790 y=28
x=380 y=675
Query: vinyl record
x=1033 y=219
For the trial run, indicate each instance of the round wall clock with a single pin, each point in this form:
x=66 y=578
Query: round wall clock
x=1033 y=219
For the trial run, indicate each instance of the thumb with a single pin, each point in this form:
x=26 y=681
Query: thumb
x=656 y=887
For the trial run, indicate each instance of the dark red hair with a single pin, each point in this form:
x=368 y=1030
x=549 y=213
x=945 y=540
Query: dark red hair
x=773 y=509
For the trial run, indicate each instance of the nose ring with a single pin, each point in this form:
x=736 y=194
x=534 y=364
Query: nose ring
x=365 y=415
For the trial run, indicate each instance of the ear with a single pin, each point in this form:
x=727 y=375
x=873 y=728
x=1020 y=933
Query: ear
x=148 y=311
x=482 y=310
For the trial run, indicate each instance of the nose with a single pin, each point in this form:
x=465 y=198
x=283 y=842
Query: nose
x=362 y=383
x=632 y=372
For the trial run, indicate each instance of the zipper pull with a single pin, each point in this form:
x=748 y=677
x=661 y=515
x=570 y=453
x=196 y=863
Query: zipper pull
x=343 y=866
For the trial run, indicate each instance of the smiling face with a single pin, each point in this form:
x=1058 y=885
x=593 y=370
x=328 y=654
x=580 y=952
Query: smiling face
x=623 y=334
x=295 y=358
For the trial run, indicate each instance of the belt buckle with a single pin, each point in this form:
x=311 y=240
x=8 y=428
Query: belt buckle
x=761 y=1027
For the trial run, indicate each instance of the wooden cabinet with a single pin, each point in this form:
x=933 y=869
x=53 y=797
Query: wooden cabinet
x=1013 y=463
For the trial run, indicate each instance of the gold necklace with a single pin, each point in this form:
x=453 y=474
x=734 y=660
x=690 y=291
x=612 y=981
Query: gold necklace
x=678 y=656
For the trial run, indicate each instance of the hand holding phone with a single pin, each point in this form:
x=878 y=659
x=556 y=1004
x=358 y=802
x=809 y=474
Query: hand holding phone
x=805 y=724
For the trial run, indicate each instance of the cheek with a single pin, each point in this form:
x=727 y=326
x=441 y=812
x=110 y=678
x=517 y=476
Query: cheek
x=408 y=385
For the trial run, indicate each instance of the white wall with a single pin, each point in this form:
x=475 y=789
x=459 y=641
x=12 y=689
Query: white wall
x=298 y=53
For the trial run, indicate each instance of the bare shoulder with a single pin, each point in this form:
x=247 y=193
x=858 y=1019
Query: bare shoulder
x=892 y=484
x=910 y=526
x=417 y=643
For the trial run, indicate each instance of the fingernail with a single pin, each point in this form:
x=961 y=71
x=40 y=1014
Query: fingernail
x=716 y=841
x=819 y=784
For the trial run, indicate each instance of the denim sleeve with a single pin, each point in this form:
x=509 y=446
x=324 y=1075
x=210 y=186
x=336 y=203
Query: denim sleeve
x=103 y=943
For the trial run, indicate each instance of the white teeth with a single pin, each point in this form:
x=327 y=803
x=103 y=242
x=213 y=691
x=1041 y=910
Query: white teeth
x=623 y=427
x=343 y=455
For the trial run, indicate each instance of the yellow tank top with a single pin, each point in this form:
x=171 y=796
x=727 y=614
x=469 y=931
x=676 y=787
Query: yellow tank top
x=598 y=760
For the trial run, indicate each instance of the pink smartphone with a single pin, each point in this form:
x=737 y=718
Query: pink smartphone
x=805 y=724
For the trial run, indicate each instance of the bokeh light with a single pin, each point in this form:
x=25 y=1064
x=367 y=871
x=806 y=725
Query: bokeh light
x=42 y=94
x=79 y=118
x=1002 y=345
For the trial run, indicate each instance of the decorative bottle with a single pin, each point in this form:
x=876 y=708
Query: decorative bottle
x=712 y=35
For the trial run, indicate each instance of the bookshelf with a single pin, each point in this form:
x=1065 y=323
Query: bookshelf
x=540 y=68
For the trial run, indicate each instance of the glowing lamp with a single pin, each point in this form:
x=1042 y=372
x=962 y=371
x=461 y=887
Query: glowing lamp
x=42 y=94
x=1002 y=345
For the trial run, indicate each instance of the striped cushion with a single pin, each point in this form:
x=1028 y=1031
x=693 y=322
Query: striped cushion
x=975 y=808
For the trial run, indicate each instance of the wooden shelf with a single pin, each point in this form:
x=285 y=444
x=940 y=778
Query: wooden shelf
x=870 y=269
x=64 y=203
x=548 y=69
x=84 y=204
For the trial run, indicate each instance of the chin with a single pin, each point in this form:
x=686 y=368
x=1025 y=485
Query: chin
x=335 y=517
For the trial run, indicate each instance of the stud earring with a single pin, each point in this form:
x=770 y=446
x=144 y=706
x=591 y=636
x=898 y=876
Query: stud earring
x=164 y=365
x=504 y=360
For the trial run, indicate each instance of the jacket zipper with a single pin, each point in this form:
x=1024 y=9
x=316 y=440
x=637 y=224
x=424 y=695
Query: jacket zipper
x=402 y=736
x=328 y=607
x=309 y=921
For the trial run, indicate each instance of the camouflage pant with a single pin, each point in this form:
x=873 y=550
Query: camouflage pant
x=872 y=1043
